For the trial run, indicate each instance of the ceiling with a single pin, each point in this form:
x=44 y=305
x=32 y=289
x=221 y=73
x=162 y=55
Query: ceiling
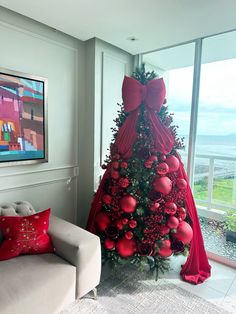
x=155 y=23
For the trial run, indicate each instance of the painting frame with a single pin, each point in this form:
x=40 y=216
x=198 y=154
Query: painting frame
x=29 y=94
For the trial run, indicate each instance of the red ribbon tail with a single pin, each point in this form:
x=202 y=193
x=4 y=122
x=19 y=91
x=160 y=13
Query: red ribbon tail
x=163 y=139
x=127 y=135
x=197 y=268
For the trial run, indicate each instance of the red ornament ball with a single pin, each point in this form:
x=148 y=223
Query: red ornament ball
x=181 y=213
x=129 y=235
x=165 y=252
x=173 y=163
x=154 y=206
x=153 y=158
x=119 y=224
x=115 y=164
x=125 y=221
x=133 y=223
x=115 y=174
x=109 y=244
x=124 y=182
x=128 y=203
x=107 y=199
x=172 y=222
x=181 y=184
x=102 y=221
x=162 y=168
x=124 y=165
x=170 y=208
x=163 y=185
x=165 y=244
x=125 y=247
x=163 y=157
x=148 y=164
x=184 y=232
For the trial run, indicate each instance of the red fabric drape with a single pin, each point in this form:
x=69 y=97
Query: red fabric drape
x=196 y=269
x=97 y=202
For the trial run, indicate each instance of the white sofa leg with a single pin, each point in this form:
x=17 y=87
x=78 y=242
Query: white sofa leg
x=95 y=294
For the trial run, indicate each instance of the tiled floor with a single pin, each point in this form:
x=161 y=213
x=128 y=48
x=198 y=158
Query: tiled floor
x=220 y=289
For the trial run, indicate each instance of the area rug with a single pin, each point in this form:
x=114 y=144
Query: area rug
x=131 y=292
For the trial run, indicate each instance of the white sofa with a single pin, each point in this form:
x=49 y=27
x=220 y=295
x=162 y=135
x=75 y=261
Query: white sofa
x=46 y=283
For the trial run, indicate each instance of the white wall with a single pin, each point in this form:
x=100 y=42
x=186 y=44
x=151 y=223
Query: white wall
x=84 y=85
x=106 y=66
x=31 y=47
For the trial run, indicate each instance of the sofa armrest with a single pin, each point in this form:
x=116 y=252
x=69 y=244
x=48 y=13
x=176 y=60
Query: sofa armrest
x=79 y=247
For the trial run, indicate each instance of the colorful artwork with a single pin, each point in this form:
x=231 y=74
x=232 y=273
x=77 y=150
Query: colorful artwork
x=22 y=118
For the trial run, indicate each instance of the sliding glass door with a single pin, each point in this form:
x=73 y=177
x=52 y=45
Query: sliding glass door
x=215 y=152
x=200 y=77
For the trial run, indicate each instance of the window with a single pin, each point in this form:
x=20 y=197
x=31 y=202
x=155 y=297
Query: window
x=209 y=99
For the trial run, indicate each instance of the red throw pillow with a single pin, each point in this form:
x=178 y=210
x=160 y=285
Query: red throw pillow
x=25 y=235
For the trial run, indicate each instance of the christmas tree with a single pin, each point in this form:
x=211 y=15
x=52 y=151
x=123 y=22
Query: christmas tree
x=143 y=210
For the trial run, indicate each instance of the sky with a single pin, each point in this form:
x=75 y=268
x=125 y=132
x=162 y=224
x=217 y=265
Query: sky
x=217 y=99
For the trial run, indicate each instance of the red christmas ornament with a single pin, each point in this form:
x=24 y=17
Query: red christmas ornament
x=153 y=158
x=162 y=168
x=125 y=247
x=170 y=208
x=163 y=157
x=165 y=244
x=181 y=184
x=109 y=244
x=148 y=164
x=163 y=185
x=128 y=203
x=133 y=223
x=115 y=164
x=129 y=235
x=115 y=174
x=124 y=182
x=165 y=252
x=172 y=222
x=124 y=165
x=125 y=221
x=107 y=199
x=181 y=213
x=119 y=224
x=173 y=163
x=154 y=206
x=184 y=232
x=102 y=221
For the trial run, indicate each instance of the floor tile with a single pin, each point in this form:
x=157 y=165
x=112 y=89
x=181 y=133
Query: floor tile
x=232 y=290
x=221 y=278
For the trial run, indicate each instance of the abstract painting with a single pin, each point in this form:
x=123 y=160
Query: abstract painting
x=22 y=118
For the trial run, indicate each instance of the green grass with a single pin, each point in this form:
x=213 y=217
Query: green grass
x=223 y=191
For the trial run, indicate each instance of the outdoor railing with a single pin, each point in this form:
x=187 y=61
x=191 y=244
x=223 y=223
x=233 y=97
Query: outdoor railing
x=215 y=167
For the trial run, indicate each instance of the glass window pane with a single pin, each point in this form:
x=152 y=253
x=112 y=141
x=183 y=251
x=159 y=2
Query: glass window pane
x=215 y=152
x=175 y=65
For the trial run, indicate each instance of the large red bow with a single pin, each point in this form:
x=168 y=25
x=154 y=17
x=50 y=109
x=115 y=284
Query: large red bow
x=134 y=93
x=152 y=95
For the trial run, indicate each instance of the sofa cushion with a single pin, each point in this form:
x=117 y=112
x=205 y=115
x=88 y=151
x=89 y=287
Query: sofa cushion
x=36 y=284
x=25 y=235
x=18 y=208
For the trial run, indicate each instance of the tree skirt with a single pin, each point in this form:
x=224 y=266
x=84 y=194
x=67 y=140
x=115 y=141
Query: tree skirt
x=128 y=291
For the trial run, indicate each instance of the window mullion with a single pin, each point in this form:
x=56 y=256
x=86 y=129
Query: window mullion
x=194 y=111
